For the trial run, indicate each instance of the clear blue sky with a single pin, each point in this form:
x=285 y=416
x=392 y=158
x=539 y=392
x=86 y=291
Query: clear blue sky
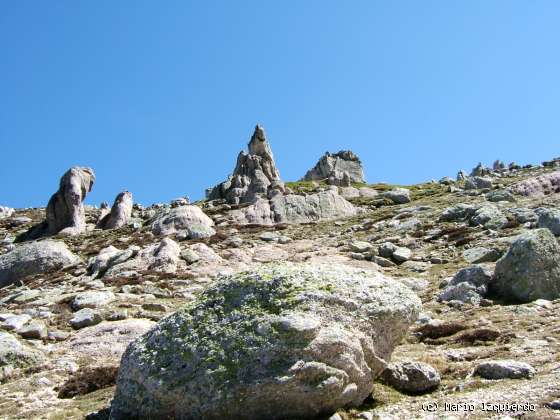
x=160 y=96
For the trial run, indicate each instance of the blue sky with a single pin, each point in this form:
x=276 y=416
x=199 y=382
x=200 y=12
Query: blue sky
x=160 y=96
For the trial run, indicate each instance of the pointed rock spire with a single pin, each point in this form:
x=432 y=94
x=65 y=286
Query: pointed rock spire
x=254 y=172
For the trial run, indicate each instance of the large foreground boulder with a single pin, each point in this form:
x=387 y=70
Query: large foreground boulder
x=531 y=268
x=285 y=341
x=34 y=258
x=335 y=166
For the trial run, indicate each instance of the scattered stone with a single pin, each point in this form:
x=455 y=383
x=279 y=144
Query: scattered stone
x=58 y=335
x=360 y=246
x=489 y=216
x=462 y=292
x=500 y=195
x=530 y=270
x=402 y=254
x=157 y=307
x=34 y=258
x=524 y=215
x=344 y=164
x=387 y=249
x=478 y=183
x=120 y=212
x=398 y=195
x=457 y=213
x=368 y=192
x=34 y=330
x=554 y=405
x=504 y=369
x=383 y=262
x=15 y=322
x=14 y=353
x=268 y=237
x=233 y=242
x=92 y=299
x=550 y=219
x=411 y=377
x=298 y=324
x=106 y=341
x=189 y=256
x=109 y=257
x=85 y=318
x=481 y=254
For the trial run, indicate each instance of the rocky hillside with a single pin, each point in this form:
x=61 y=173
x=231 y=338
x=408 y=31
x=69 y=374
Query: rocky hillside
x=323 y=298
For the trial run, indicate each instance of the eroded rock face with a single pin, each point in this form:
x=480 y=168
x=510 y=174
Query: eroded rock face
x=120 y=212
x=538 y=186
x=65 y=211
x=34 y=258
x=254 y=173
x=284 y=341
x=531 y=268
x=291 y=208
x=343 y=162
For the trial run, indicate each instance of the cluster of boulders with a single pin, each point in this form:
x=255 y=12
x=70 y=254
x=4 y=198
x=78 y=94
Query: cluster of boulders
x=528 y=271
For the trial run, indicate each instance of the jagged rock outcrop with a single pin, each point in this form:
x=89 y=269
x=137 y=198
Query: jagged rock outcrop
x=65 y=210
x=329 y=164
x=538 y=186
x=254 y=173
x=284 y=341
x=120 y=212
x=34 y=258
